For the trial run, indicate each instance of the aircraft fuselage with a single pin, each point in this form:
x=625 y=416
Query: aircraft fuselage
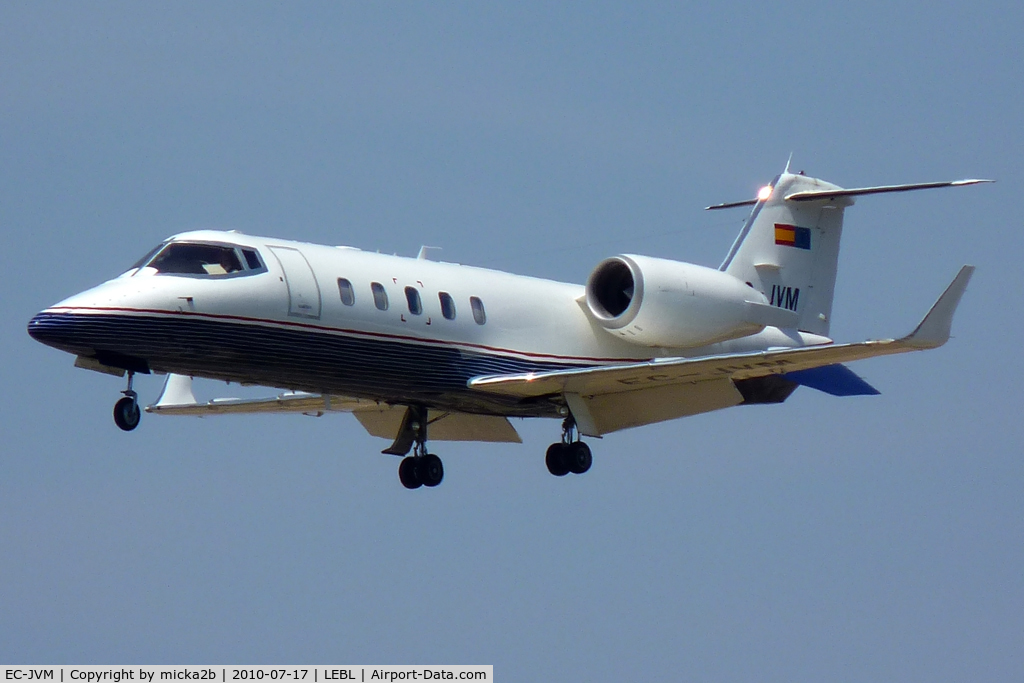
x=288 y=323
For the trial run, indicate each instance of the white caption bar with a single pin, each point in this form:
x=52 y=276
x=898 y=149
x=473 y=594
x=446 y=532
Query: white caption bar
x=237 y=673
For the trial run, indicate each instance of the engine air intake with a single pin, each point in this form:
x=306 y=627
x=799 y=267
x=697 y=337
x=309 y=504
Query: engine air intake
x=611 y=288
x=669 y=304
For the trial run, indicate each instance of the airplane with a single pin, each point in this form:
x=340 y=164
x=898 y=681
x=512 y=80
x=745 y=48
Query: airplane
x=415 y=347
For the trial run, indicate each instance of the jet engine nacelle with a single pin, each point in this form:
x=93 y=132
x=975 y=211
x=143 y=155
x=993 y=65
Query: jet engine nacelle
x=657 y=302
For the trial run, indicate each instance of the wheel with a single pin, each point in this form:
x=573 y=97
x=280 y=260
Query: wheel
x=429 y=470
x=127 y=414
x=578 y=457
x=556 y=460
x=407 y=474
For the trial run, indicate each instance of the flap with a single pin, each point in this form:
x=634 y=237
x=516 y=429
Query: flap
x=608 y=413
x=385 y=421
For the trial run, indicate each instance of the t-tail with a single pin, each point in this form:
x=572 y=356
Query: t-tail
x=789 y=246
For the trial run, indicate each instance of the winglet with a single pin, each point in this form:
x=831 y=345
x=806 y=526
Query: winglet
x=177 y=392
x=933 y=331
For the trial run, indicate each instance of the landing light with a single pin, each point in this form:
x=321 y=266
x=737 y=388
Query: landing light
x=764 y=193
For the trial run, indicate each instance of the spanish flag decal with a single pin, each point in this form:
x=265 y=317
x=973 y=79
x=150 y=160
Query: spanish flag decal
x=792 y=236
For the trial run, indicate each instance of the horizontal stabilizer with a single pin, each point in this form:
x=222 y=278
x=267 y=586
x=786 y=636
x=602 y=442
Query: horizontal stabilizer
x=835 y=193
x=837 y=380
x=731 y=205
x=880 y=189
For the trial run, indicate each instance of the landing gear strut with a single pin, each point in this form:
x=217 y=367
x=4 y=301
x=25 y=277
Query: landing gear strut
x=126 y=411
x=570 y=454
x=421 y=468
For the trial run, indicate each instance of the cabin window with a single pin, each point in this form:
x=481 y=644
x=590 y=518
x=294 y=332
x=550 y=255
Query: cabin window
x=413 y=298
x=479 y=314
x=252 y=259
x=380 y=297
x=348 y=295
x=181 y=258
x=447 y=305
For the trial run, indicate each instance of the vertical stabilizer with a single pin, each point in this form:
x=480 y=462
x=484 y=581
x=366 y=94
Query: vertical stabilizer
x=790 y=249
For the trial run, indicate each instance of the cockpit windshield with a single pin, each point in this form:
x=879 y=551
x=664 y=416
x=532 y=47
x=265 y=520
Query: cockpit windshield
x=146 y=259
x=189 y=258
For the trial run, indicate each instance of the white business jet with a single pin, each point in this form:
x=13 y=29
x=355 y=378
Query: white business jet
x=414 y=347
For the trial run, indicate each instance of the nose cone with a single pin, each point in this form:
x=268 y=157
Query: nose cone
x=98 y=324
x=52 y=329
x=63 y=326
x=38 y=327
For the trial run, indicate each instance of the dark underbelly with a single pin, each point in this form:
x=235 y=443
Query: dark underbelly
x=302 y=358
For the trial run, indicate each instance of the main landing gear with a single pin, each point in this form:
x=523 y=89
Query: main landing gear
x=421 y=468
x=570 y=454
x=126 y=411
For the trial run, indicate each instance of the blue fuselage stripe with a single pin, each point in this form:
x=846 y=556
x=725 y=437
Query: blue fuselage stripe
x=296 y=358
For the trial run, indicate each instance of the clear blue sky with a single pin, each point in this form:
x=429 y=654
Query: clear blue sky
x=869 y=538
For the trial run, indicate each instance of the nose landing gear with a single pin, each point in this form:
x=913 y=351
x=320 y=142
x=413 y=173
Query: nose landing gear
x=126 y=411
x=570 y=454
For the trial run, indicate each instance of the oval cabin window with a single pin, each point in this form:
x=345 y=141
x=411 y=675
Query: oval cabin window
x=380 y=297
x=479 y=314
x=348 y=295
x=447 y=305
x=412 y=297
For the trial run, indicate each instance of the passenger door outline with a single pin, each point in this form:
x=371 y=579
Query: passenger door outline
x=303 y=289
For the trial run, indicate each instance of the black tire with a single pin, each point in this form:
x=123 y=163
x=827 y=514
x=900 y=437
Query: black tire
x=430 y=470
x=127 y=414
x=556 y=461
x=578 y=457
x=407 y=474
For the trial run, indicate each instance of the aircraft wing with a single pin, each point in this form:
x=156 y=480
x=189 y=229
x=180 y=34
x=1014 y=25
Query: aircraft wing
x=608 y=398
x=177 y=399
x=379 y=419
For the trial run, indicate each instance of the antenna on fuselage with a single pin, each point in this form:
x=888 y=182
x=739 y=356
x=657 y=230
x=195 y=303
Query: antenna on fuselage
x=423 y=255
